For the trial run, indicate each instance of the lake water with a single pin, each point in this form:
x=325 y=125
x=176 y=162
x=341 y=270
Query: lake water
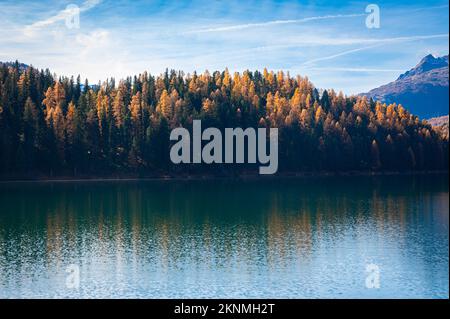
x=323 y=237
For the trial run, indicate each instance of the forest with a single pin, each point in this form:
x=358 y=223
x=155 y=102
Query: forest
x=60 y=126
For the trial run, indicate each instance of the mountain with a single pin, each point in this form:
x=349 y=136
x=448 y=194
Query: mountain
x=438 y=121
x=441 y=125
x=22 y=67
x=423 y=90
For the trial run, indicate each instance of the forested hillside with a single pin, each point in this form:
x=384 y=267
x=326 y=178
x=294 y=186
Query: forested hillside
x=53 y=126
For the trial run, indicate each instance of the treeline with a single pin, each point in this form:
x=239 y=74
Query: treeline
x=58 y=126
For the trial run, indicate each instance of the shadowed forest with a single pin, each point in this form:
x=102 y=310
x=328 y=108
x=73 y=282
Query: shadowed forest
x=52 y=126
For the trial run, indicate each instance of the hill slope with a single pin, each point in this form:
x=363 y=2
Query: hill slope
x=423 y=90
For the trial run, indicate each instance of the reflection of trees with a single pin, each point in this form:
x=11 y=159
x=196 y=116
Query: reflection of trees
x=208 y=225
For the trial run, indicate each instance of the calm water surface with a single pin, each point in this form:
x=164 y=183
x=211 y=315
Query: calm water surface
x=303 y=238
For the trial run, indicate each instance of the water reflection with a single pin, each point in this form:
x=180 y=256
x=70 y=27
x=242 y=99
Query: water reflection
x=276 y=238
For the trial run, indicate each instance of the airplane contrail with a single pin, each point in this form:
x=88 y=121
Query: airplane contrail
x=273 y=22
x=379 y=42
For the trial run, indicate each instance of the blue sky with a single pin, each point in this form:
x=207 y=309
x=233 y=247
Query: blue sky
x=326 y=40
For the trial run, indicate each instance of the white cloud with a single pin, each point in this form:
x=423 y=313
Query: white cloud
x=62 y=15
x=95 y=39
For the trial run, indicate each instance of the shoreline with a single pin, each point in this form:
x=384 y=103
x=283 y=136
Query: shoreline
x=286 y=175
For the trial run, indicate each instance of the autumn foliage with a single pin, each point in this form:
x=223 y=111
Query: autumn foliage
x=52 y=126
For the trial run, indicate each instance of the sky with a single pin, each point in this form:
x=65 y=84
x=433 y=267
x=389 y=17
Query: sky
x=328 y=41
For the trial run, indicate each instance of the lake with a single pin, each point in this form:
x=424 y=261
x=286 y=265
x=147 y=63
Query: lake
x=313 y=237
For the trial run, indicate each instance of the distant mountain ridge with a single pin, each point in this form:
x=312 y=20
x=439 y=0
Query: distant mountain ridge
x=423 y=90
x=428 y=63
x=440 y=124
x=22 y=66
x=439 y=121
